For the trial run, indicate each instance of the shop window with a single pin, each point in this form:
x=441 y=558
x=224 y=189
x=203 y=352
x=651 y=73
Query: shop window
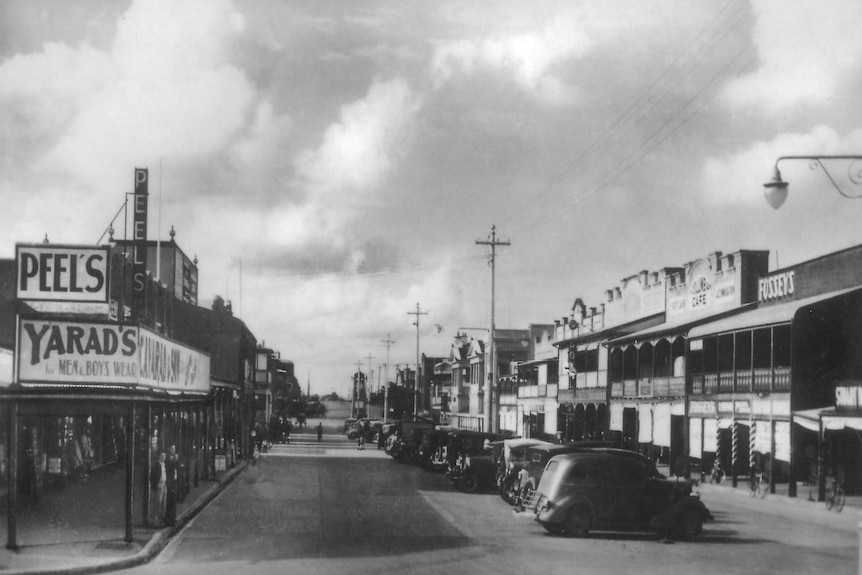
x=710 y=354
x=725 y=352
x=553 y=372
x=695 y=356
x=781 y=345
x=630 y=363
x=662 y=366
x=591 y=360
x=645 y=359
x=742 y=357
x=616 y=365
x=762 y=344
x=580 y=361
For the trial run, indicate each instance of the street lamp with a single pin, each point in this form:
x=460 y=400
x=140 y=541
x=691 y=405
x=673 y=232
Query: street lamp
x=776 y=191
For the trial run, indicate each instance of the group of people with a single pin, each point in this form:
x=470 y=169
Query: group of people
x=164 y=488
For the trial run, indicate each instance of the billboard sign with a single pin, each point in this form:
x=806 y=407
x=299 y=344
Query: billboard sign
x=65 y=273
x=91 y=353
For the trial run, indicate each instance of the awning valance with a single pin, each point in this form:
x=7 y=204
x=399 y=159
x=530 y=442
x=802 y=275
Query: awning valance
x=827 y=419
x=765 y=315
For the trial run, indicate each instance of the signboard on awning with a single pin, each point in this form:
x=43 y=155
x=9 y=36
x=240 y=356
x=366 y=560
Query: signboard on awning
x=90 y=353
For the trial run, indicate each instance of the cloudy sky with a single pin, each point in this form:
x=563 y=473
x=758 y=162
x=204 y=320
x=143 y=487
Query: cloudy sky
x=333 y=163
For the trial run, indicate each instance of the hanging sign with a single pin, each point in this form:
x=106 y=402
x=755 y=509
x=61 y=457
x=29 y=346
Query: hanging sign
x=139 y=238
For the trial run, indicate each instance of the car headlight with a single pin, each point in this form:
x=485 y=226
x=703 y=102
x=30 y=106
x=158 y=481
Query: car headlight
x=467 y=461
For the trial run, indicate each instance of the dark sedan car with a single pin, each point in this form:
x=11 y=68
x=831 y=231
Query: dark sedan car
x=614 y=489
x=537 y=458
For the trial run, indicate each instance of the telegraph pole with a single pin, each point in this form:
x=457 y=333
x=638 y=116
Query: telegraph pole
x=388 y=341
x=492 y=367
x=356 y=388
x=417 y=313
x=369 y=357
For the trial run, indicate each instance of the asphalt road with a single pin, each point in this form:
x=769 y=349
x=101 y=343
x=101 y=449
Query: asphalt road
x=361 y=512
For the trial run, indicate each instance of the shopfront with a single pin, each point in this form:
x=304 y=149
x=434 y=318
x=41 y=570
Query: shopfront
x=89 y=397
x=771 y=387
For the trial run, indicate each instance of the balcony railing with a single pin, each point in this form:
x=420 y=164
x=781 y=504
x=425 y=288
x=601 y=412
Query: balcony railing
x=759 y=380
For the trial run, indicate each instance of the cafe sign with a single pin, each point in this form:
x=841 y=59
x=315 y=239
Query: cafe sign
x=73 y=353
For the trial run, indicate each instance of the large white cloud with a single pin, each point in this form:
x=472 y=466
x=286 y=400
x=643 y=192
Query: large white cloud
x=529 y=58
x=165 y=89
x=805 y=47
x=363 y=146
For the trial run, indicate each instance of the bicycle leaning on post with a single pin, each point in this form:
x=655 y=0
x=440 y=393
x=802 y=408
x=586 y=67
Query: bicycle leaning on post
x=759 y=484
x=835 y=496
x=716 y=475
x=758 y=481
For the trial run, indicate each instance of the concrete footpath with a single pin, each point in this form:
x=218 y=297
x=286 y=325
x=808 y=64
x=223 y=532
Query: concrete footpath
x=80 y=527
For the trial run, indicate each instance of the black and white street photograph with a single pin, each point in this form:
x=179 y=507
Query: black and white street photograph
x=463 y=286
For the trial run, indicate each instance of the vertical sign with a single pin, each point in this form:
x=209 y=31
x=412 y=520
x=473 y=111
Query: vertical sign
x=139 y=237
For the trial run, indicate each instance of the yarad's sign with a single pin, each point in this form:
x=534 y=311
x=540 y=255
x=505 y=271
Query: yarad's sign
x=49 y=272
x=71 y=353
x=166 y=364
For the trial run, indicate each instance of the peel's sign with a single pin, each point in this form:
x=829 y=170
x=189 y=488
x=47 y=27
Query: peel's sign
x=49 y=272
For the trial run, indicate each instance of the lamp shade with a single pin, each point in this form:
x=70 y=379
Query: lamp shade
x=775 y=191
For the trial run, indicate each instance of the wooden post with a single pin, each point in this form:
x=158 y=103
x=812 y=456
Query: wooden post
x=12 y=497
x=130 y=471
x=148 y=462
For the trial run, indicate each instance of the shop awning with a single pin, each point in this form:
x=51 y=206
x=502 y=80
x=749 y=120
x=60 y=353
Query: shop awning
x=830 y=419
x=765 y=315
x=610 y=332
x=677 y=327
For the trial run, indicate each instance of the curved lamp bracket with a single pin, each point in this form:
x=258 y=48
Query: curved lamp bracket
x=775 y=190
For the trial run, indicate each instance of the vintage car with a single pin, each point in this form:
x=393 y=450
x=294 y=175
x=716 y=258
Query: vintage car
x=614 y=489
x=510 y=458
x=432 y=450
x=462 y=445
x=405 y=448
x=537 y=457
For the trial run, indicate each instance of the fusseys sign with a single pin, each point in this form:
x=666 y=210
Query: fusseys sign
x=49 y=272
x=776 y=286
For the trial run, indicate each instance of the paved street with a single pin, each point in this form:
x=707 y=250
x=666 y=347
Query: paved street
x=308 y=510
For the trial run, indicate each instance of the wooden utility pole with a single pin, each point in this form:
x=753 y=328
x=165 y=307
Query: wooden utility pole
x=388 y=341
x=417 y=313
x=489 y=401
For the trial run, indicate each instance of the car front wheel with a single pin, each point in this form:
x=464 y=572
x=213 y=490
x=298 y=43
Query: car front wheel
x=689 y=525
x=578 y=521
x=554 y=528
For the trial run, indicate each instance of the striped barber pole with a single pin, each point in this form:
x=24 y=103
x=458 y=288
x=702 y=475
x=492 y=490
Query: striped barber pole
x=734 y=444
x=752 y=443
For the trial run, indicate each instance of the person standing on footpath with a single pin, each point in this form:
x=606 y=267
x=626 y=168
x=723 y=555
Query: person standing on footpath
x=319 y=432
x=172 y=467
x=158 y=483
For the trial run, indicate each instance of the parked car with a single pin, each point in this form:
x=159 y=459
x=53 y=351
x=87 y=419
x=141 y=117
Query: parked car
x=348 y=424
x=432 y=451
x=537 y=457
x=614 y=489
x=463 y=444
x=477 y=473
x=510 y=459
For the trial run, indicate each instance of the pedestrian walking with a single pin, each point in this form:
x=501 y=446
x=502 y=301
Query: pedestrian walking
x=172 y=485
x=319 y=432
x=158 y=495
